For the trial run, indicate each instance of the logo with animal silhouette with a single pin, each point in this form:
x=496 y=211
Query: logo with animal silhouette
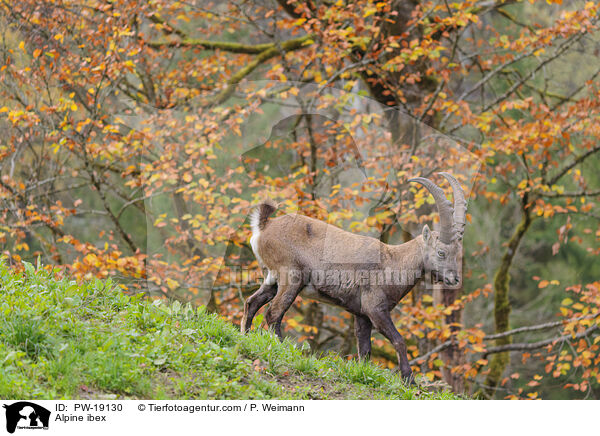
x=26 y=415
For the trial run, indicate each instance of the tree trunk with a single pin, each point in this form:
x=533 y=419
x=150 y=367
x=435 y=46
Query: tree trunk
x=502 y=307
x=452 y=356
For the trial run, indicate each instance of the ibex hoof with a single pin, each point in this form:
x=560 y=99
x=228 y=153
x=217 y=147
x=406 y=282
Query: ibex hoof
x=409 y=379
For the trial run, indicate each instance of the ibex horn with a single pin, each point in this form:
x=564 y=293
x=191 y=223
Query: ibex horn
x=444 y=208
x=460 y=205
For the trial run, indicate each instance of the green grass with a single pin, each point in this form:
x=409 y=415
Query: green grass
x=60 y=339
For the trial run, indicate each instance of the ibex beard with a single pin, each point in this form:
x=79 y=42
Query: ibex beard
x=289 y=249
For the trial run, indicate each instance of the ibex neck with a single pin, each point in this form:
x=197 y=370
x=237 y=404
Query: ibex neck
x=408 y=256
x=406 y=260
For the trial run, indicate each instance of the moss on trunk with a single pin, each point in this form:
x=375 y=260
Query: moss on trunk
x=502 y=307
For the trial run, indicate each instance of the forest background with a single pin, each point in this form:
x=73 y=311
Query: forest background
x=136 y=136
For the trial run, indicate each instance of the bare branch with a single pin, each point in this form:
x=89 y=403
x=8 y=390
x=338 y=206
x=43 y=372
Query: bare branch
x=437 y=349
x=166 y=28
x=532 y=328
x=287 y=46
x=499 y=349
x=232 y=47
x=561 y=49
x=577 y=161
x=569 y=194
x=289 y=7
x=540 y=344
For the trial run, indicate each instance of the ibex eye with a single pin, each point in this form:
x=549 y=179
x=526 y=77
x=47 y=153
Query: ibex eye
x=442 y=254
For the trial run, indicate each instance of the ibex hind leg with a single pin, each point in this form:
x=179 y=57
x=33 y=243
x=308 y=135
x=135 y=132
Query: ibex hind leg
x=286 y=294
x=265 y=293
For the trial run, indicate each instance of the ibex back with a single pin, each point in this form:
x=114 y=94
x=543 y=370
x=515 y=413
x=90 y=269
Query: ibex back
x=291 y=249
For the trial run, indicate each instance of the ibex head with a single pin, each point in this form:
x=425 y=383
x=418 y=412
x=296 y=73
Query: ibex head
x=443 y=250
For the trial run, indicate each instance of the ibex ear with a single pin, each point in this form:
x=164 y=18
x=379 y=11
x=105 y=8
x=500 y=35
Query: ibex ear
x=426 y=234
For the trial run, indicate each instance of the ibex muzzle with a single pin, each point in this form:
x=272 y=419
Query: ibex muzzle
x=290 y=247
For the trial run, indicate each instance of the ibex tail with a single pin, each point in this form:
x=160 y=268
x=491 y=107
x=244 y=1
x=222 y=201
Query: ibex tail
x=260 y=215
x=258 y=220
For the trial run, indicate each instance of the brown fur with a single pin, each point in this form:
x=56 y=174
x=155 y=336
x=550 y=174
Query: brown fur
x=296 y=249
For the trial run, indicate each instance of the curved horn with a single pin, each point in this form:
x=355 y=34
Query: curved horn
x=460 y=204
x=444 y=208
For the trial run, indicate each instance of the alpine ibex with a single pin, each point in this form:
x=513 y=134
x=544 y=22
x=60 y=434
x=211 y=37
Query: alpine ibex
x=291 y=247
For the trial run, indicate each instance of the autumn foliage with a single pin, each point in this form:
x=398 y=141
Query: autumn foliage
x=136 y=136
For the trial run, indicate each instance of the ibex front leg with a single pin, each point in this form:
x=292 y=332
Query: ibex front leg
x=362 y=330
x=383 y=323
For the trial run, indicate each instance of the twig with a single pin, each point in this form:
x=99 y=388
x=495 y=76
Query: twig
x=539 y=344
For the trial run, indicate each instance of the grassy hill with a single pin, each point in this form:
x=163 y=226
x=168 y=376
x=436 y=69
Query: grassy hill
x=60 y=339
